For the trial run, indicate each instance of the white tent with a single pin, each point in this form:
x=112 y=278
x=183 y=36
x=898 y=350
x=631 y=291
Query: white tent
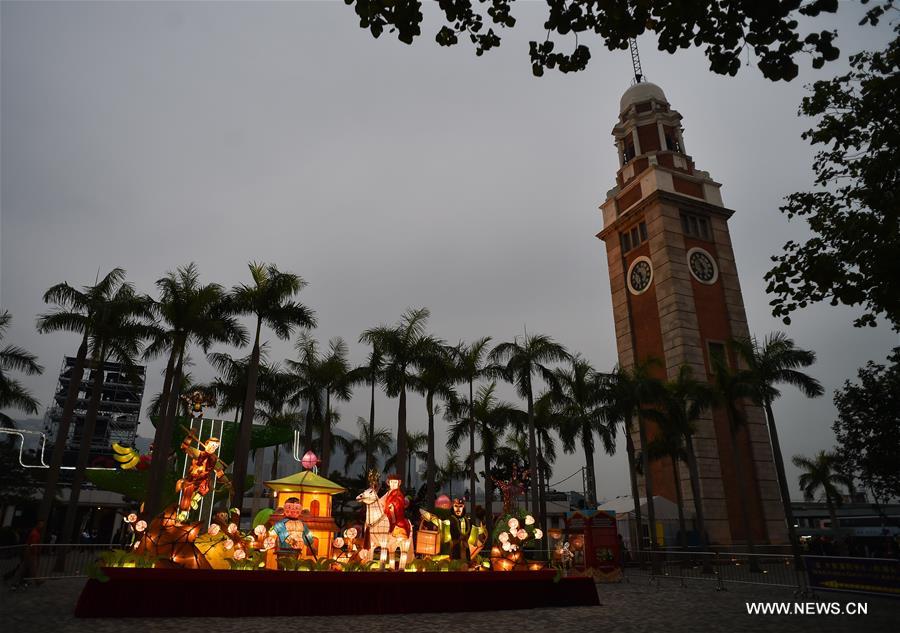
x=666 y=519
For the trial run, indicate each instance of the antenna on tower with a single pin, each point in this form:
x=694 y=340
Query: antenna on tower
x=636 y=61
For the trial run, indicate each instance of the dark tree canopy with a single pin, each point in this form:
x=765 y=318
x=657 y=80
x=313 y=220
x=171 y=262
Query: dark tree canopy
x=868 y=427
x=726 y=30
x=854 y=212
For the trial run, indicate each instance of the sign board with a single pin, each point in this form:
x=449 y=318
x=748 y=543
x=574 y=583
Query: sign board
x=879 y=576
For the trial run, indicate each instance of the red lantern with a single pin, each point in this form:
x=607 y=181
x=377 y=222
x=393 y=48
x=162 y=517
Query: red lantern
x=309 y=460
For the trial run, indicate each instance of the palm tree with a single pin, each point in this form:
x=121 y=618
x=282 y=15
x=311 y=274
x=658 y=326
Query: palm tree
x=820 y=471
x=435 y=378
x=684 y=401
x=778 y=361
x=75 y=312
x=492 y=418
x=157 y=402
x=470 y=366
x=230 y=387
x=269 y=298
x=276 y=389
x=117 y=330
x=12 y=394
x=584 y=410
x=336 y=379
x=518 y=362
x=372 y=373
x=369 y=444
x=415 y=444
x=189 y=313
x=631 y=392
x=402 y=345
x=307 y=374
x=669 y=444
x=546 y=421
x=731 y=388
x=451 y=469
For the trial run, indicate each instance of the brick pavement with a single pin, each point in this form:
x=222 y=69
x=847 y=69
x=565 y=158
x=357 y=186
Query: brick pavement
x=628 y=607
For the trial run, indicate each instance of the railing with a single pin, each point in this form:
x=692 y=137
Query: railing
x=777 y=570
x=42 y=562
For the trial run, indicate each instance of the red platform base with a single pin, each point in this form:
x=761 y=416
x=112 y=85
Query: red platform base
x=209 y=593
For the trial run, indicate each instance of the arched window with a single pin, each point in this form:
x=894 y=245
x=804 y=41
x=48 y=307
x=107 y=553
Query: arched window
x=314 y=507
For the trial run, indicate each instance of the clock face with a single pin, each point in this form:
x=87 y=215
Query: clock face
x=639 y=275
x=702 y=266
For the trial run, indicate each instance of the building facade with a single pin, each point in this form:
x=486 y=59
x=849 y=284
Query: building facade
x=118 y=412
x=676 y=298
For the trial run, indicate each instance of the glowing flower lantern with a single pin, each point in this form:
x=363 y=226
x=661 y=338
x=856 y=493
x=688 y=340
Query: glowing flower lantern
x=529 y=520
x=309 y=460
x=239 y=554
x=513 y=523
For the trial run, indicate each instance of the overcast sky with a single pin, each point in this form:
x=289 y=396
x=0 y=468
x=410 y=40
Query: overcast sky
x=150 y=135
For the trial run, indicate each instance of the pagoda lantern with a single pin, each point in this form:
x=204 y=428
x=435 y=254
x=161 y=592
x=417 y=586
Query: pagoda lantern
x=315 y=493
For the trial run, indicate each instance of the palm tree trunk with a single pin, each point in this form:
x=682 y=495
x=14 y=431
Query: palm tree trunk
x=401 y=435
x=84 y=451
x=242 y=450
x=679 y=501
x=259 y=458
x=488 y=488
x=326 y=434
x=275 y=451
x=635 y=493
x=430 y=465
x=308 y=430
x=532 y=459
x=782 y=487
x=370 y=455
x=62 y=435
x=472 y=476
x=648 y=482
x=695 y=491
x=588 y=445
x=162 y=445
x=542 y=481
x=743 y=493
x=157 y=470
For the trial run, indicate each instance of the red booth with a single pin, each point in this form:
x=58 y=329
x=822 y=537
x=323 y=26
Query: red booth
x=594 y=541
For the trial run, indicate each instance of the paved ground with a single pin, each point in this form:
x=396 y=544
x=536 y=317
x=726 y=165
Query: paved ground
x=627 y=607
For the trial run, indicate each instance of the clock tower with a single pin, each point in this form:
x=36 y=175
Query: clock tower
x=676 y=298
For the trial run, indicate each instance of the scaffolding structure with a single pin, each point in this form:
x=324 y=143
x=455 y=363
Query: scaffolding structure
x=117 y=415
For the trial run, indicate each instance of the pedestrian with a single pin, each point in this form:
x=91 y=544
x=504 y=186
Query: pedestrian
x=31 y=556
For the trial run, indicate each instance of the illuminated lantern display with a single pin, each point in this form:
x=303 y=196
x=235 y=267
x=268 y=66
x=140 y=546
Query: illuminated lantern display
x=172 y=542
x=314 y=494
x=309 y=460
x=594 y=540
x=511 y=535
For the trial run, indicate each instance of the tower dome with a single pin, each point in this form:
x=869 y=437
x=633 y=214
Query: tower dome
x=640 y=92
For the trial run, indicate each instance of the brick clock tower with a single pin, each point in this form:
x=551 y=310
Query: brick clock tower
x=676 y=297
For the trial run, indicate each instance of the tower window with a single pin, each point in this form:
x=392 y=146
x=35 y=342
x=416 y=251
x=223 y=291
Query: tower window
x=716 y=352
x=629 y=150
x=634 y=238
x=696 y=226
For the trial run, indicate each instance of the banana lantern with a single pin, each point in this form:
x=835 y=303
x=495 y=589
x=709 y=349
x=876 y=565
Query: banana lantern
x=126 y=456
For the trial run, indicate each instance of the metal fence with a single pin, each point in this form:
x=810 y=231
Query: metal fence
x=41 y=562
x=721 y=568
